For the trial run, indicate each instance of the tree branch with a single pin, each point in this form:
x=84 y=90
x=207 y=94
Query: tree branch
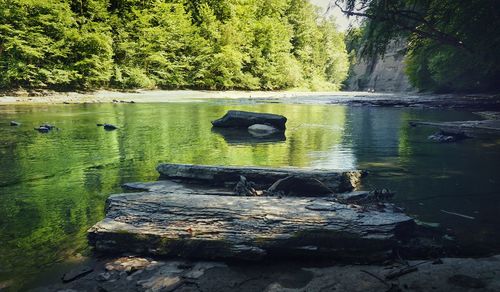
x=425 y=29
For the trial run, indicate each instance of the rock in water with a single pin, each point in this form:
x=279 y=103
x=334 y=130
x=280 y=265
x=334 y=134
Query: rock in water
x=14 y=123
x=76 y=273
x=109 y=127
x=42 y=129
x=251 y=228
x=260 y=130
x=242 y=119
x=48 y=126
x=443 y=137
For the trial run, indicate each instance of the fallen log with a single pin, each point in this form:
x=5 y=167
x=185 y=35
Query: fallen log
x=486 y=128
x=335 y=181
x=242 y=119
x=252 y=228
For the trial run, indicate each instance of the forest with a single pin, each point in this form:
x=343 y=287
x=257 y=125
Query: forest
x=208 y=44
x=65 y=45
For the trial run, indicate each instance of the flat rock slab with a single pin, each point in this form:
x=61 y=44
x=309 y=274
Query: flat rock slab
x=486 y=128
x=252 y=228
x=336 y=181
x=242 y=119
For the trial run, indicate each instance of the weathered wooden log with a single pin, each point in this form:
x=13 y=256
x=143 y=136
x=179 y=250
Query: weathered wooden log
x=486 y=128
x=242 y=119
x=335 y=181
x=231 y=227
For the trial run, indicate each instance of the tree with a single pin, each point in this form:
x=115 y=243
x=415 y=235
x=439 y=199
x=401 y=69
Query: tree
x=453 y=45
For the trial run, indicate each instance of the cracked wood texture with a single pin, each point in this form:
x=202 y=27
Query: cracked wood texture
x=335 y=180
x=251 y=228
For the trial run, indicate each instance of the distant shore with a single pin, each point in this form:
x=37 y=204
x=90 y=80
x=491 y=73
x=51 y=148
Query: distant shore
x=150 y=96
x=479 y=101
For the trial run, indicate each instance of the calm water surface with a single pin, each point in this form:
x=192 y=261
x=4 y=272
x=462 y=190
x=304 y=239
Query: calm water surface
x=53 y=186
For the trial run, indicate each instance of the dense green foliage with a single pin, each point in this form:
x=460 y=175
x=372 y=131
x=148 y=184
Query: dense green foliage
x=453 y=45
x=228 y=44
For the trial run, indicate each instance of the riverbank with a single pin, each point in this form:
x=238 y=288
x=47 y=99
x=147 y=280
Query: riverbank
x=151 y=96
x=354 y=98
x=131 y=273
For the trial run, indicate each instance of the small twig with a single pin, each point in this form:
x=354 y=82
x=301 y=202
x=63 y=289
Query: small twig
x=458 y=214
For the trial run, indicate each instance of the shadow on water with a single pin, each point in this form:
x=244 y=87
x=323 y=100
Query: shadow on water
x=242 y=136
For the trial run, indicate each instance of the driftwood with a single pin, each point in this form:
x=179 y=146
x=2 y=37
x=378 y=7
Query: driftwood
x=305 y=182
x=486 y=128
x=209 y=227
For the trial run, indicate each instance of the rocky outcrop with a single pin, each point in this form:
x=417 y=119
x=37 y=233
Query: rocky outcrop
x=242 y=119
x=385 y=73
x=335 y=181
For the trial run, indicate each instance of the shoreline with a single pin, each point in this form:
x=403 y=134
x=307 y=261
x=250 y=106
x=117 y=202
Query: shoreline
x=135 y=273
x=475 y=102
x=153 y=96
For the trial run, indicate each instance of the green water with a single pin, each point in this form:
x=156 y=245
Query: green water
x=53 y=186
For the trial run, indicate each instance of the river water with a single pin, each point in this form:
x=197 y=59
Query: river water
x=53 y=186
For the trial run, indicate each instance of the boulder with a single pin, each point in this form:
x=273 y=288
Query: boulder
x=242 y=119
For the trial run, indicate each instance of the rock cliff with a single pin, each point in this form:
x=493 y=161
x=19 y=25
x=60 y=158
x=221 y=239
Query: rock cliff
x=385 y=73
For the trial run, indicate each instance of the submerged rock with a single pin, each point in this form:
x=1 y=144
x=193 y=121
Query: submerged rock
x=42 y=129
x=242 y=119
x=49 y=126
x=443 y=137
x=109 y=127
x=260 y=130
x=45 y=128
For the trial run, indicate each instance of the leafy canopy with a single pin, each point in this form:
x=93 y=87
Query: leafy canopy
x=212 y=44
